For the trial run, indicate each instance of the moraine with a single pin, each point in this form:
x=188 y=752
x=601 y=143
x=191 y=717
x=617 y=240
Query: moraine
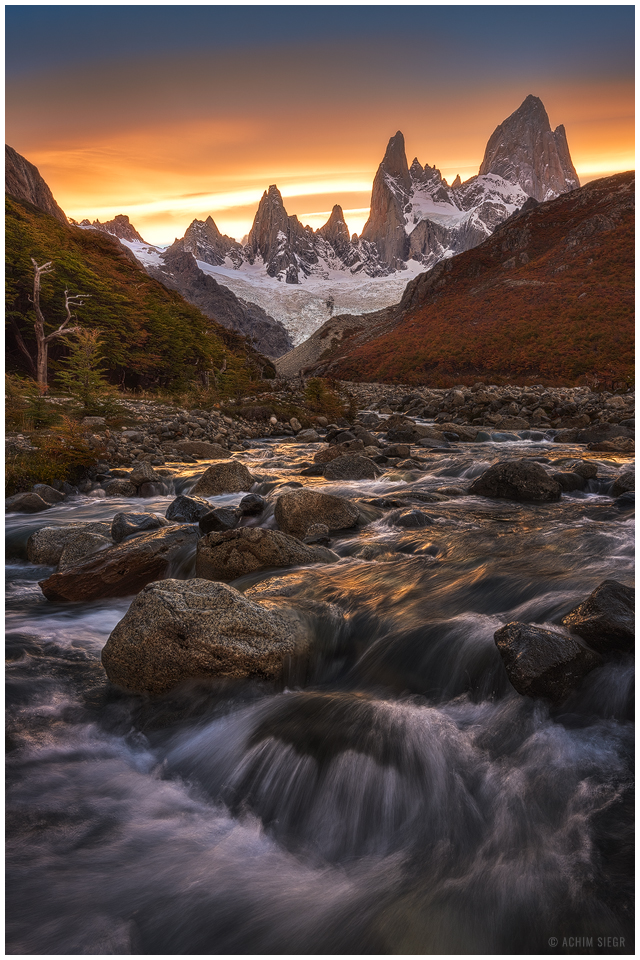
x=391 y=792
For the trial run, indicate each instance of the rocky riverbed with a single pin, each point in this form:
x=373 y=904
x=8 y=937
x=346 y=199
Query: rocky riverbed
x=355 y=687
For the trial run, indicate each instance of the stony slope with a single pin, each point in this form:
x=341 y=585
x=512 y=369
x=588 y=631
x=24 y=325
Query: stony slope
x=23 y=181
x=549 y=296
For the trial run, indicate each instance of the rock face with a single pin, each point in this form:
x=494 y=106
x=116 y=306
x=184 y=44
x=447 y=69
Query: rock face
x=181 y=272
x=296 y=511
x=228 y=555
x=45 y=546
x=220 y=519
x=524 y=150
x=202 y=448
x=543 y=663
x=279 y=239
x=516 y=480
x=23 y=181
x=230 y=476
x=120 y=227
x=606 y=619
x=81 y=545
x=25 y=503
x=188 y=509
x=125 y=524
x=123 y=569
x=391 y=186
x=177 y=630
x=351 y=467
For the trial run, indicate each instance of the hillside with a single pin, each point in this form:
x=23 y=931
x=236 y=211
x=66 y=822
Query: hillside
x=151 y=335
x=548 y=297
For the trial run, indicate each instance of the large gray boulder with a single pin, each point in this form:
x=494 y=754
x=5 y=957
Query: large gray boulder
x=125 y=524
x=228 y=555
x=25 y=503
x=187 y=509
x=124 y=568
x=606 y=619
x=82 y=544
x=351 y=467
x=516 y=480
x=296 y=511
x=45 y=546
x=202 y=449
x=230 y=476
x=120 y=488
x=220 y=519
x=177 y=630
x=625 y=482
x=338 y=450
x=48 y=494
x=543 y=663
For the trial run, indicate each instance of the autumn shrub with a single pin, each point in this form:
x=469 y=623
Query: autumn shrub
x=62 y=454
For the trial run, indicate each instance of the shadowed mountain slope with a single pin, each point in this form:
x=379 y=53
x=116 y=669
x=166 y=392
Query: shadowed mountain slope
x=549 y=296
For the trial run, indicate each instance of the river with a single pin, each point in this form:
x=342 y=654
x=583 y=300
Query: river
x=394 y=796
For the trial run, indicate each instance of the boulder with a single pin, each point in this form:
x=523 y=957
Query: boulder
x=411 y=519
x=143 y=472
x=569 y=480
x=125 y=524
x=48 y=494
x=124 y=568
x=45 y=546
x=585 y=468
x=252 y=505
x=230 y=476
x=338 y=450
x=617 y=445
x=516 y=480
x=606 y=619
x=80 y=545
x=351 y=467
x=318 y=533
x=202 y=449
x=400 y=450
x=187 y=509
x=308 y=436
x=120 y=488
x=296 y=511
x=182 y=629
x=543 y=663
x=25 y=503
x=625 y=482
x=222 y=518
x=228 y=555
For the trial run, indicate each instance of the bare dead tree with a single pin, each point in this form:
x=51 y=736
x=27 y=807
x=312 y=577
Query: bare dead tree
x=44 y=339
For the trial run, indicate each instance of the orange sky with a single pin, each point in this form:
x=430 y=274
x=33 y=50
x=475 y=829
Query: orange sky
x=169 y=138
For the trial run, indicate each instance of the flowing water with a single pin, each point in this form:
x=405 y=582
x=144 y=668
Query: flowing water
x=392 y=794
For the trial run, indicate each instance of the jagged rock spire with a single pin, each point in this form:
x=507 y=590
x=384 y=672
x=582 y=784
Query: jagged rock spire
x=385 y=226
x=524 y=150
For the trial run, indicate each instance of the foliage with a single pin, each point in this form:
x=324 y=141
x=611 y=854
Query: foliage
x=151 y=336
x=81 y=372
x=64 y=453
x=560 y=314
x=25 y=407
x=322 y=400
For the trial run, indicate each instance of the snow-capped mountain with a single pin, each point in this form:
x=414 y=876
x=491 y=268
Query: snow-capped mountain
x=301 y=277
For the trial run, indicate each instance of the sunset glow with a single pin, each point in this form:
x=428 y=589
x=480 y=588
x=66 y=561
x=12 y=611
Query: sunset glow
x=176 y=125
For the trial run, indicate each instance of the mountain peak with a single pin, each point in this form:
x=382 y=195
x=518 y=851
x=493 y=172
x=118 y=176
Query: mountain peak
x=524 y=150
x=394 y=161
x=23 y=181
